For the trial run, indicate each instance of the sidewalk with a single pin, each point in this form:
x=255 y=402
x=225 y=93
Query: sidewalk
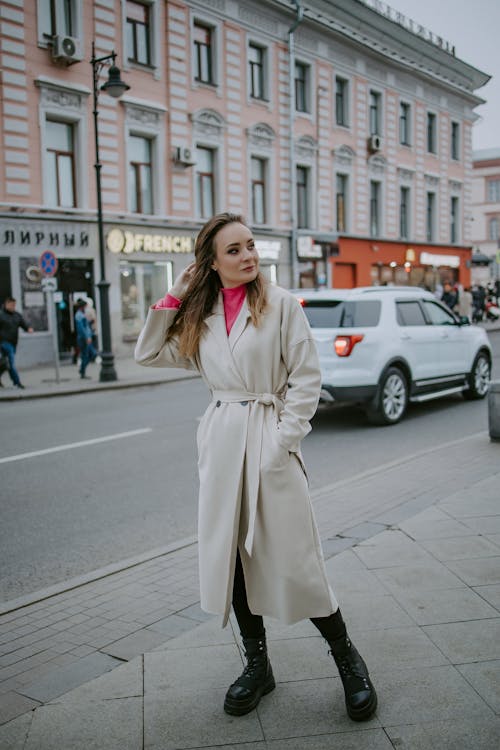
x=129 y=661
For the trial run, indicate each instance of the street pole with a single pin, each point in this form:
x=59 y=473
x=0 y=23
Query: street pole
x=115 y=88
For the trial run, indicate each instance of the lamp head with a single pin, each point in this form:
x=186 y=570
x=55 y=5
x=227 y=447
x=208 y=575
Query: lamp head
x=114 y=86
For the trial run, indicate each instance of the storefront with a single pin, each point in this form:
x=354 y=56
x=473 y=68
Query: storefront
x=346 y=262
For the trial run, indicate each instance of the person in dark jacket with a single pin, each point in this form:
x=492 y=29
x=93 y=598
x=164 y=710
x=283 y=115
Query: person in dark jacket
x=83 y=337
x=10 y=323
x=450 y=296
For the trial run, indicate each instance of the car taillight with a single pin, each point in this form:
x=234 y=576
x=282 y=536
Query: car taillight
x=345 y=344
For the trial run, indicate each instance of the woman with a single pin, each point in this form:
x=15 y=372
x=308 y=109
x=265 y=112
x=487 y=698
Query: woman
x=259 y=548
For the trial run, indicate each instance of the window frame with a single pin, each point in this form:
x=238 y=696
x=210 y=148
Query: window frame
x=375 y=202
x=404 y=218
x=455 y=140
x=406 y=137
x=45 y=33
x=493 y=195
x=493 y=221
x=198 y=179
x=454 y=220
x=431 y=133
x=305 y=221
x=149 y=45
x=375 y=114
x=264 y=161
x=60 y=153
x=306 y=81
x=211 y=28
x=430 y=215
x=342 y=226
x=263 y=66
x=138 y=181
x=346 y=120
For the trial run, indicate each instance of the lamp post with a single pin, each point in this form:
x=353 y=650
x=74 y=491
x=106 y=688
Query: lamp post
x=115 y=87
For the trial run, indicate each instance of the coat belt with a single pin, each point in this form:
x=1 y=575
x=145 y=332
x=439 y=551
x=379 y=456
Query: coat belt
x=253 y=446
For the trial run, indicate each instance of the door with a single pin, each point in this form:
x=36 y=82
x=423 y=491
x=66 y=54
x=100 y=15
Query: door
x=454 y=348
x=419 y=341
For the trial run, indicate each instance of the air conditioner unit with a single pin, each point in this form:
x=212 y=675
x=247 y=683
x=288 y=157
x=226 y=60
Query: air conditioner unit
x=66 y=48
x=184 y=155
x=374 y=143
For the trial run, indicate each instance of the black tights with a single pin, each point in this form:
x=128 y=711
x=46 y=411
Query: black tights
x=252 y=626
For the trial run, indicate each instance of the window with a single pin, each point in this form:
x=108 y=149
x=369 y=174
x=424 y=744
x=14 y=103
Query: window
x=493 y=229
x=140 y=190
x=141 y=284
x=438 y=315
x=431 y=133
x=341 y=314
x=409 y=314
x=257 y=63
x=455 y=141
x=341 y=202
x=404 y=208
x=454 y=219
x=57 y=17
x=494 y=191
x=374 y=208
x=302 y=184
x=404 y=124
x=430 y=217
x=205 y=182
x=61 y=164
x=375 y=115
x=341 y=101
x=258 y=171
x=301 y=87
x=138 y=32
x=203 y=53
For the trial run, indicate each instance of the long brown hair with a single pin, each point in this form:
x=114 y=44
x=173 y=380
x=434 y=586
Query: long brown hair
x=204 y=288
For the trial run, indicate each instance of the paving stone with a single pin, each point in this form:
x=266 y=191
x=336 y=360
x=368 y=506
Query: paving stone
x=361 y=612
x=172 y=626
x=417 y=578
x=477 y=572
x=109 y=724
x=195 y=612
x=60 y=680
x=191 y=668
x=133 y=645
x=472 y=734
x=13 y=734
x=474 y=640
x=276 y=630
x=126 y=681
x=428 y=529
x=485 y=678
x=369 y=739
x=491 y=593
x=174 y=721
x=301 y=659
x=483 y=524
x=13 y=704
x=402 y=648
x=445 y=605
x=391 y=548
x=204 y=634
x=426 y=695
x=460 y=548
x=355 y=581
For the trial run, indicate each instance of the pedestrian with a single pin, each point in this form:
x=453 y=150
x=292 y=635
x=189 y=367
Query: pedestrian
x=91 y=316
x=465 y=302
x=10 y=323
x=449 y=296
x=259 y=548
x=83 y=337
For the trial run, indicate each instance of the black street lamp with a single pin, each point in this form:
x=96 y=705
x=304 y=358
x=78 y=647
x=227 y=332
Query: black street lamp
x=115 y=87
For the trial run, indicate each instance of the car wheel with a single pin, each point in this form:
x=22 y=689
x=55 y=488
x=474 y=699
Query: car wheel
x=479 y=377
x=389 y=405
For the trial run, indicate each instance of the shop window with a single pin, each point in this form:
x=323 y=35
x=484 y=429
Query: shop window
x=494 y=191
x=405 y=124
x=205 y=182
x=375 y=113
x=302 y=87
x=341 y=101
x=493 y=226
x=257 y=61
x=203 y=41
x=303 y=198
x=60 y=164
x=430 y=218
x=138 y=29
x=5 y=279
x=455 y=141
x=259 y=192
x=342 y=182
x=140 y=188
x=404 y=211
x=374 y=208
x=454 y=220
x=141 y=285
x=431 y=133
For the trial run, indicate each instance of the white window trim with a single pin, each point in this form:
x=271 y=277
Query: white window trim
x=436 y=121
x=65 y=103
x=346 y=172
x=434 y=225
x=269 y=180
x=409 y=222
x=252 y=39
x=155 y=25
x=381 y=93
x=218 y=173
x=411 y=133
x=213 y=23
x=459 y=218
x=459 y=149
x=312 y=202
x=381 y=213
x=78 y=19
x=310 y=90
x=147 y=120
x=348 y=80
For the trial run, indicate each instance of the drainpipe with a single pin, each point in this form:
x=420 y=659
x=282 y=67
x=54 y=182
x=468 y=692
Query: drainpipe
x=291 y=113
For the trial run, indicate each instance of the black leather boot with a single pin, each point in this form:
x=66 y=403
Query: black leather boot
x=360 y=695
x=255 y=681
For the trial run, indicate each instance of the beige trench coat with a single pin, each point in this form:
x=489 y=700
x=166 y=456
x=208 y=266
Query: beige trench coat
x=253 y=496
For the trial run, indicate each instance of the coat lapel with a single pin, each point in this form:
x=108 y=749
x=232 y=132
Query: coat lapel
x=239 y=324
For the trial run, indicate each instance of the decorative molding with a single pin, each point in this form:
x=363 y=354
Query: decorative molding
x=431 y=180
x=405 y=175
x=137 y=114
x=208 y=122
x=344 y=155
x=257 y=20
x=306 y=147
x=377 y=164
x=53 y=95
x=455 y=186
x=261 y=135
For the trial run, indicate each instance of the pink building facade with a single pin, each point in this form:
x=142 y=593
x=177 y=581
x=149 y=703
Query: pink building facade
x=486 y=215
x=341 y=132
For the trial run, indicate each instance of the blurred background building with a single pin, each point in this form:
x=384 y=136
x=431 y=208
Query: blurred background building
x=341 y=131
x=486 y=214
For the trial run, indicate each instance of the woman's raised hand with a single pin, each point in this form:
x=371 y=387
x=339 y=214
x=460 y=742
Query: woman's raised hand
x=182 y=282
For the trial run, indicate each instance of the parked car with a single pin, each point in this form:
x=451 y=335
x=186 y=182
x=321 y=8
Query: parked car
x=384 y=347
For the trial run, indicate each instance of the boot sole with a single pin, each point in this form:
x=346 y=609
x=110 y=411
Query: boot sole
x=365 y=713
x=240 y=708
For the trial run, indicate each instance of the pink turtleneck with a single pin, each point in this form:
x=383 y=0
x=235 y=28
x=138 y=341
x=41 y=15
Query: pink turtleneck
x=232 y=297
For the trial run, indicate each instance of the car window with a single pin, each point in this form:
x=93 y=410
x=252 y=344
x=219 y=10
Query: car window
x=438 y=315
x=409 y=313
x=342 y=314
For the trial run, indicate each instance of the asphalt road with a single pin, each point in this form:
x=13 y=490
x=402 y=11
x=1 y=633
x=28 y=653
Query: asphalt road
x=72 y=511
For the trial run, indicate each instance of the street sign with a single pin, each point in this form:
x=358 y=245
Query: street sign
x=48 y=263
x=49 y=284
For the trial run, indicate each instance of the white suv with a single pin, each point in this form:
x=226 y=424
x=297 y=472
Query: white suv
x=386 y=346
